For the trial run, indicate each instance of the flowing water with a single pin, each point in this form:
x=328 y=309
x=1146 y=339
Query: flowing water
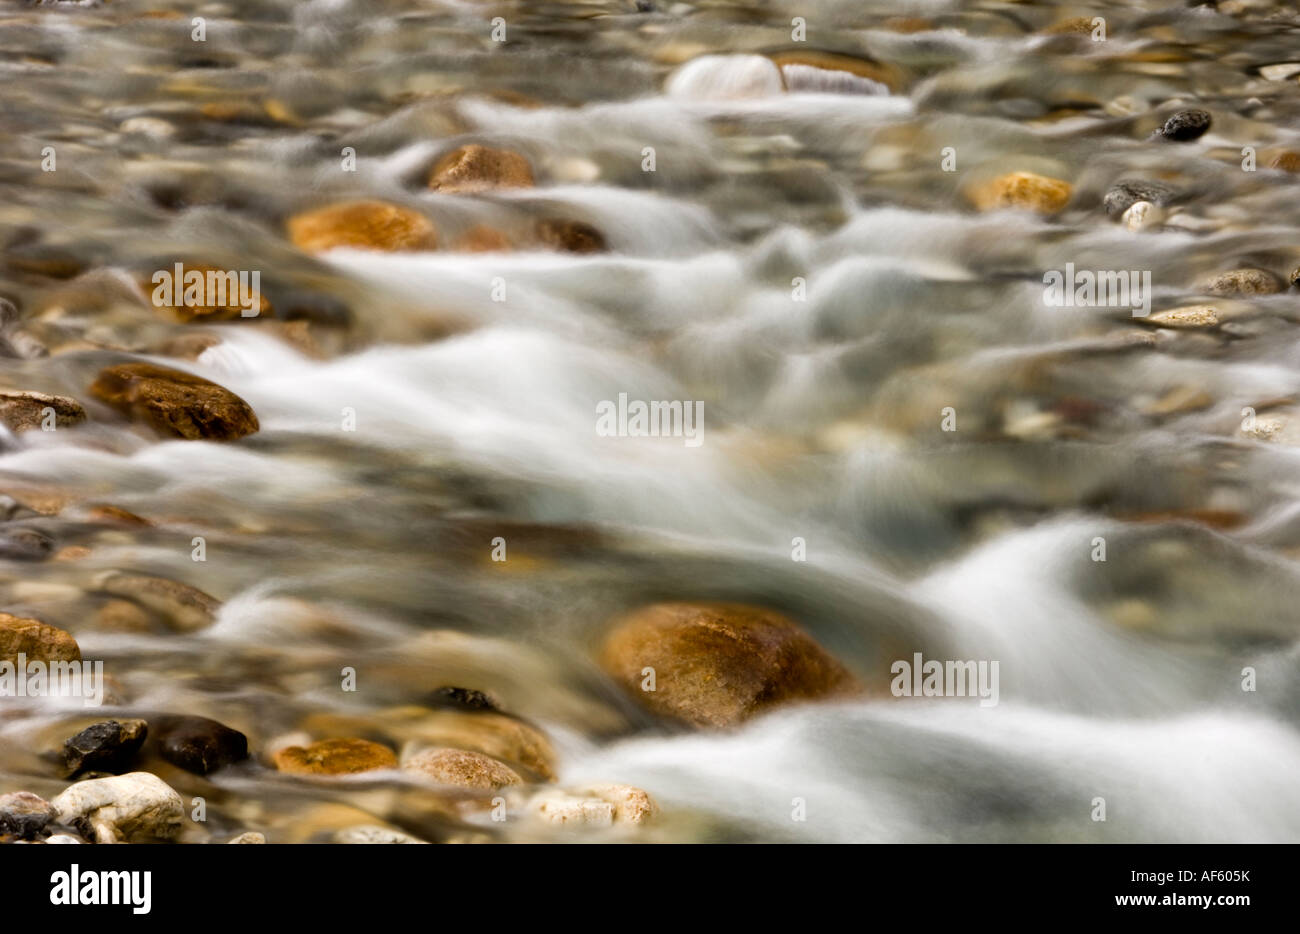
x=805 y=259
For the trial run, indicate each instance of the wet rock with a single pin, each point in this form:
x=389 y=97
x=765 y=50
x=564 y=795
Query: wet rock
x=463 y=699
x=717 y=664
x=474 y=168
x=63 y=838
x=1125 y=194
x=1189 y=317
x=1288 y=161
x=138 y=807
x=107 y=746
x=185 y=608
x=362 y=225
x=36 y=640
x=482 y=239
x=371 y=834
x=197 y=744
x=25 y=544
x=25 y=411
x=462 y=768
x=569 y=236
x=335 y=757
x=726 y=77
x=559 y=807
x=1022 y=190
x=161 y=297
x=1142 y=215
x=1074 y=26
x=1244 y=282
x=123 y=616
x=175 y=403
x=631 y=805
x=24 y=815
x=1186 y=125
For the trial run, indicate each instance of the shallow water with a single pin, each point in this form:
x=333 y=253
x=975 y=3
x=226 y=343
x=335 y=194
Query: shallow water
x=475 y=417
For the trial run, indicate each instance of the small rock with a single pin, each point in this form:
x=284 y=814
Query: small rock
x=462 y=768
x=474 y=168
x=185 y=608
x=560 y=807
x=1142 y=215
x=197 y=744
x=107 y=746
x=138 y=807
x=570 y=236
x=1279 y=72
x=631 y=805
x=25 y=544
x=374 y=834
x=123 y=616
x=1022 y=190
x=362 y=225
x=249 y=836
x=24 y=411
x=36 y=640
x=1124 y=195
x=335 y=757
x=1074 y=26
x=1191 y=316
x=24 y=814
x=64 y=838
x=1245 y=282
x=463 y=699
x=717 y=664
x=483 y=239
x=1186 y=125
x=174 y=402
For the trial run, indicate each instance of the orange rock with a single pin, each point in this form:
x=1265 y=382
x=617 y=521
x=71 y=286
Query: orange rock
x=717 y=664
x=335 y=757
x=36 y=640
x=174 y=402
x=481 y=239
x=1022 y=190
x=362 y=225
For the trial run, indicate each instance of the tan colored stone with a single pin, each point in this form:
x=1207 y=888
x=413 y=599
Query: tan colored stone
x=474 y=168
x=185 y=608
x=462 y=768
x=25 y=411
x=1246 y=281
x=36 y=640
x=717 y=664
x=1188 y=317
x=1022 y=190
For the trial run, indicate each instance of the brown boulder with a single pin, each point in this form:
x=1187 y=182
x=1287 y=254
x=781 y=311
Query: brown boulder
x=36 y=640
x=335 y=757
x=362 y=225
x=717 y=664
x=174 y=402
x=23 y=411
x=474 y=168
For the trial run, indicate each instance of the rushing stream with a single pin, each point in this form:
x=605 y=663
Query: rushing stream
x=904 y=445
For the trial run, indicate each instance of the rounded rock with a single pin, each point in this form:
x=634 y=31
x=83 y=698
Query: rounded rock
x=462 y=768
x=362 y=225
x=474 y=168
x=174 y=402
x=335 y=757
x=36 y=640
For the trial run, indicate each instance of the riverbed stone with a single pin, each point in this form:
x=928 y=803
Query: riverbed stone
x=197 y=744
x=138 y=807
x=1186 y=125
x=473 y=169
x=462 y=768
x=1124 y=194
x=569 y=236
x=24 y=815
x=1248 y=281
x=175 y=403
x=362 y=225
x=335 y=757
x=27 y=411
x=1022 y=190
x=718 y=664
x=107 y=746
x=184 y=608
x=36 y=640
